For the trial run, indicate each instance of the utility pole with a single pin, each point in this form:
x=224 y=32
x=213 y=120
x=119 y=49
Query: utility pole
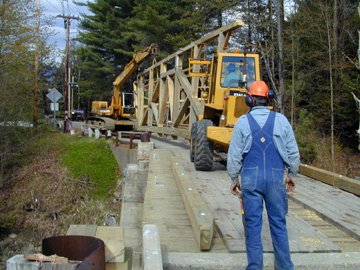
x=67 y=70
x=36 y=66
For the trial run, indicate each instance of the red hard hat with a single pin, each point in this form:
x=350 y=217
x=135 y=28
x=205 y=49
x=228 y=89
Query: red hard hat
x=259 y=88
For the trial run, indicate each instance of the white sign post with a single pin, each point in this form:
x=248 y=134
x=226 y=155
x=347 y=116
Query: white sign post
x=54 y=95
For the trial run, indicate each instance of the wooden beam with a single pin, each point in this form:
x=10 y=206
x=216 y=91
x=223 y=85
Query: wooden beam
x=178 y=132
x=171 y=92
x=149 y=114
x=198 y=107
x=205 y=39
x=170 y=72
x=179 y=117
x=163 y=98
x=155 y=94
x=177 y=90
x=143 y=122
x=201 y=219
x=336 y=180
x=82 y=229
x=155 y=112
x=186 y=119
x=196 y=68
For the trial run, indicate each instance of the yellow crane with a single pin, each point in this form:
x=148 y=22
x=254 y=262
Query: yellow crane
x=118 y=114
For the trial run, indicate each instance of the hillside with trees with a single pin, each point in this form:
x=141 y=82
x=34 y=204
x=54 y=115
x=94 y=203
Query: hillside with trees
x=308 y=54
x=308 y=51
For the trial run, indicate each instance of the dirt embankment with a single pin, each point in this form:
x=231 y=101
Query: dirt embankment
x=40 y=200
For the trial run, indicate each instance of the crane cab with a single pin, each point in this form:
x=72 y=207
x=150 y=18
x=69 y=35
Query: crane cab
x=232 y=73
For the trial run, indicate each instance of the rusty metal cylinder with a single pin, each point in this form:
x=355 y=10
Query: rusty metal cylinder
x=89 y=250
x=145 y=137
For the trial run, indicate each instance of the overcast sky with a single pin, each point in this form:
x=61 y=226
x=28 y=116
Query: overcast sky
x=53 y=8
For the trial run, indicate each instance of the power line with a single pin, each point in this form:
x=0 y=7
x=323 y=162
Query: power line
x=51 y=4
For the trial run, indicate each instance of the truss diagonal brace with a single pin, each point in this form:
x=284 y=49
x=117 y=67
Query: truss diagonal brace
x=195 y=104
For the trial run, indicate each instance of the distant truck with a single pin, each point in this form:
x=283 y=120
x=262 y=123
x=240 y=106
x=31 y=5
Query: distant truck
x=191 y=94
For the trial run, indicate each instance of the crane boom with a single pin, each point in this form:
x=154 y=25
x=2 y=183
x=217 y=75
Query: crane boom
x=129 y=69
x=118 y=115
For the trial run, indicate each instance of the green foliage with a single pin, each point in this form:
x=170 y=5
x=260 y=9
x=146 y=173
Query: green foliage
x=92 y=160
x=107 y=46
x=16 y=57
x=308 y=34
x=118 y=28
x=169 y=24
x=17 y=78
x=306 y=136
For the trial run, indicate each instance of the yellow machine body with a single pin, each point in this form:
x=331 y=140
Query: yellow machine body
x=226 y=103
x=122 y=103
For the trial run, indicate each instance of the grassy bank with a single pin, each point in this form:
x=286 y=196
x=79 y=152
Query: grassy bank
x=61 y=180
x=91 y=160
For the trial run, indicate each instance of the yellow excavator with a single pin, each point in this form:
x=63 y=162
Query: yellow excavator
x=118 y=115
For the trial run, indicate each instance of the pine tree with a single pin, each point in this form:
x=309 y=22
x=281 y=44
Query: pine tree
x=106 y=46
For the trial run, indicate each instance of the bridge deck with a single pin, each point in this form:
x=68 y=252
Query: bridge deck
x=309 y=230
x=164 y=207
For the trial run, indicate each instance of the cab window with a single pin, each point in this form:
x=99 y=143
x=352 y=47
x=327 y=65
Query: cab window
x=236 y=71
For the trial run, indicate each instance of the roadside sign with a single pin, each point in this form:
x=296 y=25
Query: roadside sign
x=54 y=95
x=56 y=105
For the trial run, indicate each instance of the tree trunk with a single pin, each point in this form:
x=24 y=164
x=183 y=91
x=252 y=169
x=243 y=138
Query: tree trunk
x=292 y=110
x=1 y=172
x=272 y=59
x=280 y=42
x=331 y=85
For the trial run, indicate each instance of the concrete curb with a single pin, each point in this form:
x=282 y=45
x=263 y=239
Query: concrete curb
x=151 y=248
x=222 y=261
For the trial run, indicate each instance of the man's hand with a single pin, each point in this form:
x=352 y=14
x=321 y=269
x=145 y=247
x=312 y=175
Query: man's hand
x=235 y=189
x=290 y=184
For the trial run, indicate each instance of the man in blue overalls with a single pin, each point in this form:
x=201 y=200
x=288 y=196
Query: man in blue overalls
x=262 y=148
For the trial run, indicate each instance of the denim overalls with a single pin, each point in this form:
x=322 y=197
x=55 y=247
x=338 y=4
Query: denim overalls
x=262 y=179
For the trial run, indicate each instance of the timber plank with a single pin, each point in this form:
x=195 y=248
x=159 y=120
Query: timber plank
x=113 y=238
x=200 y=216
x=336 y=180
x=214 y=188
x=338 y=207
x=163 y=205
x=82 y=229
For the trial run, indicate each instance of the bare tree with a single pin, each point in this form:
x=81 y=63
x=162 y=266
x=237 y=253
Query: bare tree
x=280 y=44
x=358 y=106
x=325 y=11
x=358 y=51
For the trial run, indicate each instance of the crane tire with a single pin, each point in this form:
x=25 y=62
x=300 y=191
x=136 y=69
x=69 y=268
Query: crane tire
x=203 y=158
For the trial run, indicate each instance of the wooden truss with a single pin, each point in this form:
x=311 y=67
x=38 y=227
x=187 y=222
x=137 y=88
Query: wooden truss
x=168 y=94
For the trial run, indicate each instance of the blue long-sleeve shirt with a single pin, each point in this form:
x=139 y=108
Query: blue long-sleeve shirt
x=241 y=140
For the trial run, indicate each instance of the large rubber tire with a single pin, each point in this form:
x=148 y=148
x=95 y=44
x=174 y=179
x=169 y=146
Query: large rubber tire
x=203 y=158
x=192 y=142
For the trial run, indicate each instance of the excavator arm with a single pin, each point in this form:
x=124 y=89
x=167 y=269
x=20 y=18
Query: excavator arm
x=129 y=69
